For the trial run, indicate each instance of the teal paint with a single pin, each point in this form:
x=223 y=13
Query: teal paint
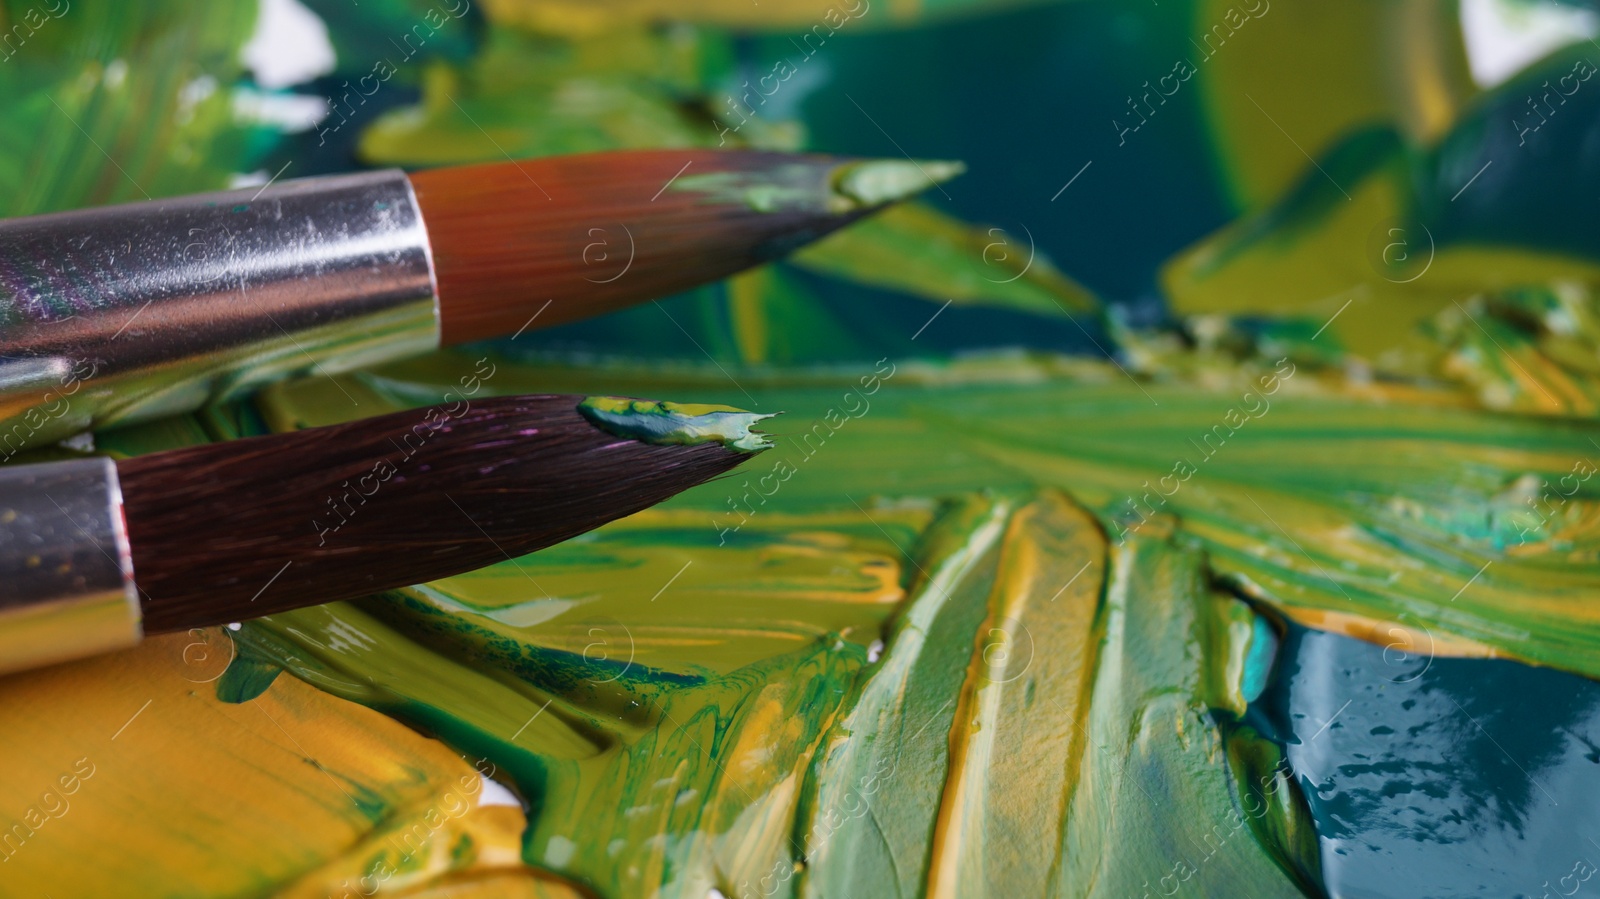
x=1430 y=778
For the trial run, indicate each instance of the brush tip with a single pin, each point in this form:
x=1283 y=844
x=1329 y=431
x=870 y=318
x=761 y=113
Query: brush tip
x=588 y=234
x=247 y=528
x=676 y=424
x=874 y=182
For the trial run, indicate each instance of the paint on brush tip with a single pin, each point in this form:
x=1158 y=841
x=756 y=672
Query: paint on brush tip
x=680 y=424
x=843 y=188
x=875 y=182
x=796 y=187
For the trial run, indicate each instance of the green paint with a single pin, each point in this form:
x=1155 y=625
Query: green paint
x=1153 y=746
x=874 y=795
x=1385 y=481
x=876 y=182
x=246 y=678
x=1271 y=802
x=687 y=699
x=103 y=74
x=732 y=627
x=791 y=188
x=594 y=771
x=676 y=424
x=915 y=249
x=849 y=187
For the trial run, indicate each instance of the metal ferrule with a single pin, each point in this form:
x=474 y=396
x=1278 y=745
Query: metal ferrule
x=125 y=313
x=66 y=575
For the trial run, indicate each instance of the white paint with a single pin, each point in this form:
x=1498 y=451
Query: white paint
x=495 y=793
x=532 y=612
x=1504 y=36
x=290 y=45
x=116 y=73
x=248 y=179
x=559 y=851
x=192 y=95
x=289 y=112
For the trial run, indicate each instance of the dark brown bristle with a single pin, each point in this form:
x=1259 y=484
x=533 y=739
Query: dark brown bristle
x=593 y=233
x=237 y=530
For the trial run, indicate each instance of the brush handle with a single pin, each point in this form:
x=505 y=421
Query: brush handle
x=131 y=312
x=66 y=571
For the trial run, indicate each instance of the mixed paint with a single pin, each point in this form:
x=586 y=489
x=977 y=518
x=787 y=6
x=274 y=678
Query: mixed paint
x=1247 y=548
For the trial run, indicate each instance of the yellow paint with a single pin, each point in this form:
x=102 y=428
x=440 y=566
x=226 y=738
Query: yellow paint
x=746 y=297
x=1269 y=110
x=228 y=799
x=1017 y=735
x=1405 y=641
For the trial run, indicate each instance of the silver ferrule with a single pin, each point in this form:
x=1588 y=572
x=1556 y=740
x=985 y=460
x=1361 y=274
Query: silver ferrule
x=125 y=313
x=66 y=574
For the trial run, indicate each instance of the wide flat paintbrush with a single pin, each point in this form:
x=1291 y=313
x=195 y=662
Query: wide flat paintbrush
x=93 y=553
x=128 y=312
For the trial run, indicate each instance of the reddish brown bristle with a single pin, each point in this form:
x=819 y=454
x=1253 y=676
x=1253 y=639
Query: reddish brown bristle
x=237 y=530
x=593 y=233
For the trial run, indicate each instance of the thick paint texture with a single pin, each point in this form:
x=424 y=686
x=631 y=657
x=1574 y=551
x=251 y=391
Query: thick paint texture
x=685 y=698
x=821 y=673
x=1023 y=623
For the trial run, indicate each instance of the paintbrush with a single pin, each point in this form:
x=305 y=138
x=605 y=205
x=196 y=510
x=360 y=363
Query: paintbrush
x=94 y=553
x=132 y=312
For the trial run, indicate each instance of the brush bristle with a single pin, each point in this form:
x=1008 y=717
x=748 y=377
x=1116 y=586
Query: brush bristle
x=236 y=530
x=546 y=241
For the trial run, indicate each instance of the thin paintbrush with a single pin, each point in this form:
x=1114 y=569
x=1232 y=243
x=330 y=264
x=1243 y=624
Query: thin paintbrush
x=130 y=312
x=94 y=553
